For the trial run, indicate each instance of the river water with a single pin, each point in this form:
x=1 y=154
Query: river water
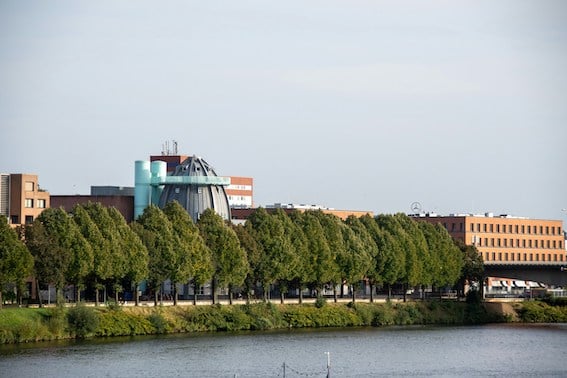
x=476 y=351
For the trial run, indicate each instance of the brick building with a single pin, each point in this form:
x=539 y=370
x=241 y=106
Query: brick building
x=21 y=198
x=506 y=239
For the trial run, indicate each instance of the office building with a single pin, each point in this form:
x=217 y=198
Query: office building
x=21 y=198
x=505 y=239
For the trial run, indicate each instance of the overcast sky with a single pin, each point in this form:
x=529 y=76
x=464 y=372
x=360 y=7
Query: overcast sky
x=364 y=105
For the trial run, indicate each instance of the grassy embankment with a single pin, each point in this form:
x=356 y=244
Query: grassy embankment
x=28 y=325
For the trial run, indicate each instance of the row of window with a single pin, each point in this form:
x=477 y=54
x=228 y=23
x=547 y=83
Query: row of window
x=511 y=228
x=28 y=203
x=14 y=219
x=505 y=256
x=516 y=243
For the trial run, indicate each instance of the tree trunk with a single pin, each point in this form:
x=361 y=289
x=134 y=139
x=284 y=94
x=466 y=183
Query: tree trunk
x=175 y=294
x=195 y=287
x=353 y=294
x=136 y=296
x=18 y=295
x=264 y=293
x=97 y=293
x=335 y=297
x=39 y=294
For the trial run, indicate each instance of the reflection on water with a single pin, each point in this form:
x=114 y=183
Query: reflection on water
x=494 y=350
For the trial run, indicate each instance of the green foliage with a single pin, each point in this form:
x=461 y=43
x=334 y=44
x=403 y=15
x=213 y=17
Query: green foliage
x=158 y=322
x=19 y=325
x=82 y=321
x=474 y=297
x=320 y=301
x=541 y=312
x=16 y=262
x=230 y=263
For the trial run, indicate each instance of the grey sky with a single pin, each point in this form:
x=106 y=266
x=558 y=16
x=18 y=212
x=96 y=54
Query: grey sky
x=367 y=105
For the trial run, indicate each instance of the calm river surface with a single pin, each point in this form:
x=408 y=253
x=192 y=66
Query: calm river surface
x=479 y=351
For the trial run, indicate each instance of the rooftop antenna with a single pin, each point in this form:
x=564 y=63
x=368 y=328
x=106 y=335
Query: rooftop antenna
x=165 y=148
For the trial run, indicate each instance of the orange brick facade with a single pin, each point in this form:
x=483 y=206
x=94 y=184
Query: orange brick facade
x=26 y=199
x=508 y=240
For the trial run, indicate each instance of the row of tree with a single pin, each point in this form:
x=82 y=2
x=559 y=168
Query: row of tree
x=94 y=247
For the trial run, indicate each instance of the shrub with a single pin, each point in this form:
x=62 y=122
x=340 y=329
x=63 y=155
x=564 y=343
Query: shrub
x=158 y=322
x=384 y=315
x=365 y=313
x=82 y=321
x=320 y=301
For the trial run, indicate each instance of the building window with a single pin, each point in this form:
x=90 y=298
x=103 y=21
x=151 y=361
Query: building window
x=28 y=186
x=41 y=204
x=28 y=203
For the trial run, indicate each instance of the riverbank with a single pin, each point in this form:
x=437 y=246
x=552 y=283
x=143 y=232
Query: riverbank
x=18 y=325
